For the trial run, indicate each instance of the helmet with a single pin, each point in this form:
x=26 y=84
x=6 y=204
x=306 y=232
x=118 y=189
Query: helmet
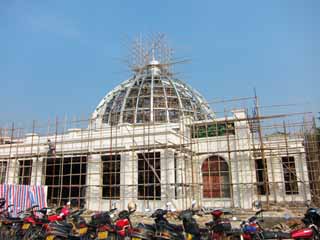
x=216 y=213
x=132 y=206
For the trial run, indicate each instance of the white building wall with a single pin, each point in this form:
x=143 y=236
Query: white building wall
x=130 y=139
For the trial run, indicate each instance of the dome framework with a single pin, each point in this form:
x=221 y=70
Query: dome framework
x=152 y=96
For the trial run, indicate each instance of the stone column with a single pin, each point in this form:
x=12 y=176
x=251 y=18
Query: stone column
x=128 y=178
x=12 y=171
x=167 y=175
x=242 y=165
x=37 y=167
x=94 y=182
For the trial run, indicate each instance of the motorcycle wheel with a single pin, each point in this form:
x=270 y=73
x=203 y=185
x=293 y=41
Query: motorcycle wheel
x=27 y=235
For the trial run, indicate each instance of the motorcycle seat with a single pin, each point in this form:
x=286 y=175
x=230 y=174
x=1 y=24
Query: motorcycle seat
x=147 y=226
x=92 y=225
x=43 y=220
x=235 y=232
x=203 y=230
x=276 y=235
x=62 y=225
x=14 y=219
x=178 y=228
x=210 y=224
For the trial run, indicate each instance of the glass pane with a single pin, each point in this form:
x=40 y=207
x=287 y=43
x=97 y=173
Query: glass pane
x=170 y=91
x=174 y=115
x=186 y=104
x=134 y=92
x=144 y=102
x=158 y=91
x=160 y=115
x=114 y=118
x=173 y=102
x=145 y=91
x=143 y=116
x=159 y=102
x=128 y=116
x=131 y=103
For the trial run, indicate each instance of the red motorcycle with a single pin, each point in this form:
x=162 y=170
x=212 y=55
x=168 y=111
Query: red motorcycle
x=35 y=222
x=101 y=225
x=219 y=227
x=312 y=224
x=123 y=224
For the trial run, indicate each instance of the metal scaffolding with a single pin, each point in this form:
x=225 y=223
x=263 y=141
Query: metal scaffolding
x=223 y=161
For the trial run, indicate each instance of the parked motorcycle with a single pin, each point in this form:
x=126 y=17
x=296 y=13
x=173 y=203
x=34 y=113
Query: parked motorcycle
x=29 y=221
x=123 y=224
x=164 y=229
x=312 y=226
x=219 y=227
x=41 y=219
x=191 y=227
x=74 y=227
x=9 y=225
x=101 y=226
x=252 y=230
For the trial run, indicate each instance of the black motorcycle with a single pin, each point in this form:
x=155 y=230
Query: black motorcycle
x=101 y=226
x=191 y=227
x=164 y=229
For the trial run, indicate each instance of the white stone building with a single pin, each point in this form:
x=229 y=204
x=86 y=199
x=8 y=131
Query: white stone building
x=152 y=140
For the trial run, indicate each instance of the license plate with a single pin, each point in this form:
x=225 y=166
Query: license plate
x=102 y=235
x=50 y=237
x=25 y=226
x=83 y=230
x=189 y=236
x=135 y=238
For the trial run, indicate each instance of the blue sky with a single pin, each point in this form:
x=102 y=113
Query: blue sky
x=61 y=57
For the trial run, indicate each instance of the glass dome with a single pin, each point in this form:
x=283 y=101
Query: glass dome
x=152 y=95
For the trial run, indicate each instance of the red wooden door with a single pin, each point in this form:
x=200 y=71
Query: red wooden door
x=215 y=178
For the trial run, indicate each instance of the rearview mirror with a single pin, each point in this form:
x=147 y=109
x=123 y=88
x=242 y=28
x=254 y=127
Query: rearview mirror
x=257 y=204
x=308 y=203
x=168 y=205
x=193 y=203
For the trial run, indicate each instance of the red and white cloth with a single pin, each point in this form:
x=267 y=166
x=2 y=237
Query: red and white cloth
x=23 y=196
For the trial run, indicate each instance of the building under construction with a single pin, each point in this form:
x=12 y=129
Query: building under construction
x=154 y=139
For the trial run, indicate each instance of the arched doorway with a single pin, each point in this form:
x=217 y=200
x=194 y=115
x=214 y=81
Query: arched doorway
x=215 y=178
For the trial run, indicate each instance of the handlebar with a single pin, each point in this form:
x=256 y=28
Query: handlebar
x=31 y=208
x=77 y=213
x=258 y=212
x=159 y=213
x=7 y=209
x=112 y=210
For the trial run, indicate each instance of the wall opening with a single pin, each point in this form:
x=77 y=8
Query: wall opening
x=149 y=175
x=25 y=170
x=66 y=179
x=111 y=176
x=215 y=178
x=290 y=175
x=3 y=171
x=262 y=177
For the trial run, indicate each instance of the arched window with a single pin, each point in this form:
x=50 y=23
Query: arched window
x=215 y=178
